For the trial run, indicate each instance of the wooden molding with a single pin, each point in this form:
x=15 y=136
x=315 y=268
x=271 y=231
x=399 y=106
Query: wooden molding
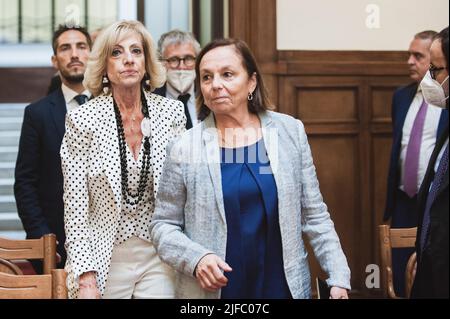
x=24 y=85
x=344 y=100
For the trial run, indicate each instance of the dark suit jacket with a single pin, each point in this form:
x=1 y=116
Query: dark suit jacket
x=432 y=263
x=161 y=91
x=401 y=102
x=38 y=186
x=55 y=84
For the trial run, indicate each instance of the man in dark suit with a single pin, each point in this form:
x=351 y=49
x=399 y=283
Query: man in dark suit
x=432 y=248
x=55 y=84
x=38 y=186
x=178 y=51
x=416 y=126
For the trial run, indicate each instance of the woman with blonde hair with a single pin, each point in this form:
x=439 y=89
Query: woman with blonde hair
x=112 y=156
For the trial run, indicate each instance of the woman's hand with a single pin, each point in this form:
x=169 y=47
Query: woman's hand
x=209 y=272
x=338 y=293
x=88 y=286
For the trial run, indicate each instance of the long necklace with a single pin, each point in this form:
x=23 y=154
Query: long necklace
x=130 y=197
x=133 y=120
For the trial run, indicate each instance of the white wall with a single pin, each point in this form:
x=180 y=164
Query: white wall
x=356 y=24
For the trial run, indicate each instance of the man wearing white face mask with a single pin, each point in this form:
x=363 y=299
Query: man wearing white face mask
x=416 y=126
x=432 y=247
x=178 y=51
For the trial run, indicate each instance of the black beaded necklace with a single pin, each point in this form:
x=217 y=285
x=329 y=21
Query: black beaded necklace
x=129 y=197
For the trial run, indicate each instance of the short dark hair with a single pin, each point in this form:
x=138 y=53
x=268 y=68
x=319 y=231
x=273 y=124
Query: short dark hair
x=443 y=36
x=426 y=35
x=260 y=102
x=63 y=28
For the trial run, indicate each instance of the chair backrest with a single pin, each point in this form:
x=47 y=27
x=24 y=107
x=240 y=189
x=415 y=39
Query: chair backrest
x=396 y=238
x=9 y=268
x=43 y=248
x=51 y=286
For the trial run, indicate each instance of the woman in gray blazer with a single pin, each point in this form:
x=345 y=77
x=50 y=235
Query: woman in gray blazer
x=238 y=191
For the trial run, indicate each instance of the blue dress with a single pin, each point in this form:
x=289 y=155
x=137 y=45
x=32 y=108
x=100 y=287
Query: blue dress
x=254 y=249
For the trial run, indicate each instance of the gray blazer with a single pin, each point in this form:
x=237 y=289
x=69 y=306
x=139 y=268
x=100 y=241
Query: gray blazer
x=189 y=220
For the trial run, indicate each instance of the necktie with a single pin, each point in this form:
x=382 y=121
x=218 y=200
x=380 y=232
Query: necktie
x=185 y=98
x=81 y=99
x=413 y=152
x=435 y=187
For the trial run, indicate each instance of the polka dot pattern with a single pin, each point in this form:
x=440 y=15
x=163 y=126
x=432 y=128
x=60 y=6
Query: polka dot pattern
x=95 y=216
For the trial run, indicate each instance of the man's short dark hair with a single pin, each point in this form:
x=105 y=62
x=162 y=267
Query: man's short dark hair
x=63 y=28
x=443 y=36
x=426 y=35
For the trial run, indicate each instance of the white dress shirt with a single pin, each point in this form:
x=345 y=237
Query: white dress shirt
x=173 y=94
x=69 y=96
x=428 y=137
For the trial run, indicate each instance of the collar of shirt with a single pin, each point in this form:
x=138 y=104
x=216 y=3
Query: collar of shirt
x=419 y=93
x=173 y=94
x=69 y=94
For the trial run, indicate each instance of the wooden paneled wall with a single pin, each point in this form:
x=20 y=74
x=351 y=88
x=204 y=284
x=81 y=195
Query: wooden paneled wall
x=344 y=100
x=24 y=85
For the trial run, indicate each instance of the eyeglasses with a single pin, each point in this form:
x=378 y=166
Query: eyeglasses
x=434 y=70
x=174 y=62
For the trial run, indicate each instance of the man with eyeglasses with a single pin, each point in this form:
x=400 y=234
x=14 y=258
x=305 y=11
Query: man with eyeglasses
x=416 y=126
x=432 y=248
x=178 y=51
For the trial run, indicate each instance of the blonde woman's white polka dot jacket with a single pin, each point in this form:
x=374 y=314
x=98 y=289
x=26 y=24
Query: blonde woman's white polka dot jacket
x=90 y=160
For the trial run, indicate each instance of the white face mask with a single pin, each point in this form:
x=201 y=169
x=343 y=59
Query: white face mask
x=181 y=80
x=433 y=92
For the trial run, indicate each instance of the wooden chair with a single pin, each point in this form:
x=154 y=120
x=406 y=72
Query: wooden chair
x=396 y=238
x=43 y=248
x=51 y=286
x=9 y=268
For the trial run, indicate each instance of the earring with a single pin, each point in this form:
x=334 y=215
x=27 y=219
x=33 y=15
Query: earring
x=105 y=80
x=250 y=97
x=105 y=84
x=147 y=82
